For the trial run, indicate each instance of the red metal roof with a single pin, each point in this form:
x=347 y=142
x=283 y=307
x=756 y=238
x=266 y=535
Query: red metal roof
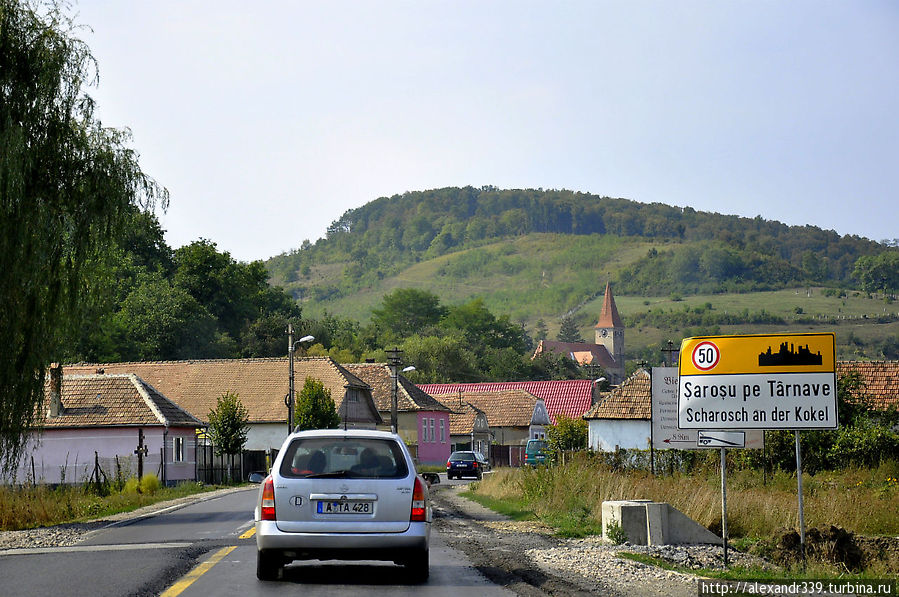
x=571 y=397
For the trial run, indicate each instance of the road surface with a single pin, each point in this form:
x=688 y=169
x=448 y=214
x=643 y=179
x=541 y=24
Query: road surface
x=207 y=548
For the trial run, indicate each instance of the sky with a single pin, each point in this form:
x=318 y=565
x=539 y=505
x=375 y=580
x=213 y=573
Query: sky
x=268 y=121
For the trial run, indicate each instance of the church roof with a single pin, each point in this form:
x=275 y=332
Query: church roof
x=585 y=353
x=609 y=317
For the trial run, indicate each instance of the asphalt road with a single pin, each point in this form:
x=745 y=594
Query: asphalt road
x=207 y=548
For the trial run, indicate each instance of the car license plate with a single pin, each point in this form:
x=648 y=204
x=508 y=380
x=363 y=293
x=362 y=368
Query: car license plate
x=460 y=465
x=348 y=507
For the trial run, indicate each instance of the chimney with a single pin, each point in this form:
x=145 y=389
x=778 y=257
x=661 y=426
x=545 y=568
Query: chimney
x=56 y=408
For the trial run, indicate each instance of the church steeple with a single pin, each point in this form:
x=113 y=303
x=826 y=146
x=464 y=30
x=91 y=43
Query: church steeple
x=610 y=330
x=609 y=317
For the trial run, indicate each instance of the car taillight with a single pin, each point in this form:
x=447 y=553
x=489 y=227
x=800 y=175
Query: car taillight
x=267 y=509
x=449 y=463
x=419 y=507
x=474 y=465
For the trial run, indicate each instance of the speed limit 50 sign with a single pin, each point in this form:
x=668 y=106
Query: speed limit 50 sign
x=781 y=381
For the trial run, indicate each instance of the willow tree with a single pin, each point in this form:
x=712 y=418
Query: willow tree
x=67 y=187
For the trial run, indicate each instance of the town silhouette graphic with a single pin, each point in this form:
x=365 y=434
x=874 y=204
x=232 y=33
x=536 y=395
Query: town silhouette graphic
x=786 y=356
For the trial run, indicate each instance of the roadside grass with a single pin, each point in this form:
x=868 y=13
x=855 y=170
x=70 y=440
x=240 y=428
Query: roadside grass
x=37 y=506
x=754 y=509
x=569 y=498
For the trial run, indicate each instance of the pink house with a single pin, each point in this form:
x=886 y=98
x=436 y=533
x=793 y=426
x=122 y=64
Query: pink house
x=97 y=420
x=422 y=421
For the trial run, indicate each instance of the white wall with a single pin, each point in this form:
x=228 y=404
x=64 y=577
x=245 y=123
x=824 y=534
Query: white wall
x=604 y=434
x=263 y=436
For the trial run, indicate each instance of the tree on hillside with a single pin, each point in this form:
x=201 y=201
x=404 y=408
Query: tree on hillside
x=406 y=311
x=569 y=332
x=315 y=408
x=228 y=426
x=878 y=273
x=67 y=186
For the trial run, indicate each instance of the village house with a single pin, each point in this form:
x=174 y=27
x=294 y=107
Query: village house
x=512 y=416
x=621 y=419
x=422 y=421
x=879 y=378
x=469 y=429
x=261 y=384
x=569 y=397
x=99 y=421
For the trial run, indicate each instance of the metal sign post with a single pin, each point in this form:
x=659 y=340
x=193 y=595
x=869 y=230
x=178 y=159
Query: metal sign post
x=801 y=509
x=724 y=501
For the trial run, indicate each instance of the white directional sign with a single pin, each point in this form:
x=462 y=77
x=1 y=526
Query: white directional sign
x=783 y=381
x=665 y=433
x=721 y=439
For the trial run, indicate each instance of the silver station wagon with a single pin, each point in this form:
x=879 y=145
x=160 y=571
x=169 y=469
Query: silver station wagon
x=343 y=495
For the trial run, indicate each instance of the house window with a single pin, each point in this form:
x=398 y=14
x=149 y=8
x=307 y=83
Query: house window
x=431 y=434
x=442 y=431
x=178 y=449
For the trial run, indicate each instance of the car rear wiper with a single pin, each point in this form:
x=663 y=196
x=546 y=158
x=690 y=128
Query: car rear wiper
x=328 y=475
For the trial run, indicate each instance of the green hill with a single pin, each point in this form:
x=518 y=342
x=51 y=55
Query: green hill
x=536 y=254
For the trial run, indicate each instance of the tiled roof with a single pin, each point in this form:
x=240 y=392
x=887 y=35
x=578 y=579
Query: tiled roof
x=570 y=397
x=409 y=397
x=608 y=317
x=585 y=353
x=461 y=421
x=261 y=384
x=881 y=379
x=115 y=401
x=631 y=400
x=504 y=408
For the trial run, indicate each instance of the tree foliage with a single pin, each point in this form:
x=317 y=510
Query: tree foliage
x=314 y=407
x=569 y=332
x=67 y=186
x=567 y=434
x=228 y=424
x=878 y=273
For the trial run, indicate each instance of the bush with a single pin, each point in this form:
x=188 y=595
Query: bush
x=132 y=485
x=149 y=484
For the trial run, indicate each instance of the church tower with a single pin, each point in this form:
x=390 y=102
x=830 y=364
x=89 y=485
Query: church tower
x=610 y=330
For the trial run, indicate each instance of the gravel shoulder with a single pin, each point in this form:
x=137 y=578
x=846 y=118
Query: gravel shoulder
x=528 y=559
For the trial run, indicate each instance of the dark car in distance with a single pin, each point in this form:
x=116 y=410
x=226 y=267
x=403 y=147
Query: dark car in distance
x=466 y=463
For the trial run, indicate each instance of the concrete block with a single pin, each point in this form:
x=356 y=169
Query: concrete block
x=645 y=522
x=656 y=523
x=630 y=514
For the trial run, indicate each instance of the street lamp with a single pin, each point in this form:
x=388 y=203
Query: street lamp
x=291 y=347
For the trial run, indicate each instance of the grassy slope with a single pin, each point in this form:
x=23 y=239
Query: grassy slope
x=543 y=276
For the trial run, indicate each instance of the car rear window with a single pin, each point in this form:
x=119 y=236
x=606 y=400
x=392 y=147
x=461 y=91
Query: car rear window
x=536 y=446
x=356 y=458
x=462 y=456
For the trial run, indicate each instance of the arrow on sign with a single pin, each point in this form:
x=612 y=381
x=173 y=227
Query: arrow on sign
x=677 y=441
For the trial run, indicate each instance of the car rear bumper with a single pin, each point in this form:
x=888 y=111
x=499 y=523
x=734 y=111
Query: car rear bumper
x=342 y=546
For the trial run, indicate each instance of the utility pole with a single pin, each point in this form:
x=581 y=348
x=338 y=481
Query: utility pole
x=394 y=360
